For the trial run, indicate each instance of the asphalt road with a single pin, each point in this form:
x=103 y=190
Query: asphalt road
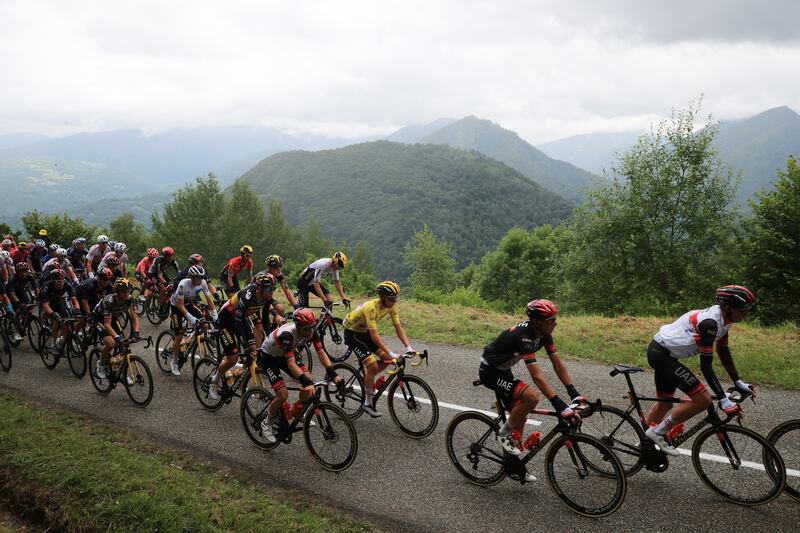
x=406 y=484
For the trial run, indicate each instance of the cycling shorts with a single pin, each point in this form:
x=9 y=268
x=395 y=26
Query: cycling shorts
x=503 y=383
x=273 y=366
x=670 y=374
x=177 y=323
x=362 y=345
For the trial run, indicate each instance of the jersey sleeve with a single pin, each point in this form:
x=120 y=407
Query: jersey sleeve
x=286 y=343
x=394 y=316
x=706 y=333
x=549 y=345
x=371 y=317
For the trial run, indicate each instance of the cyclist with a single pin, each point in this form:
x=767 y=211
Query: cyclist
x=197 y=259
x=106 y=314
x=158 y=272
x=696 y=332
x=45 y=238
x=142 y=269
x=6 y=266
x=8 y=244
x=361 y=335
x=96 y=254
x=118 y=252
x=311 y=279
x=77 y=256
x=252 y=301
x=21 y=254
x=183 y=305
x=274 y=264
x=37 y=253
x=281 y=350
x=57 y=299
x=21 y=285
x=520 y=343
x=92 y=290
x=229 y=275
x=61 y=262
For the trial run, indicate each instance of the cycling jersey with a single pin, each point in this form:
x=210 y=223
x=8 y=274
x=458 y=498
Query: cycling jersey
x=57 y=262
x=36 y=258
x=313 y=273
x=122 y=260
x=111 y=306
x=160 y=266
x=190 y=292
x=285 y=341
x=20 y=255
x=516 y=344
x=92 y=291
x=96 y=254
x=236 y=265
x=51 y=294
x=366 y=316
x=694 y=332
x=144 y=265
x=18 y=286
x=77 y=257
x=232 y=317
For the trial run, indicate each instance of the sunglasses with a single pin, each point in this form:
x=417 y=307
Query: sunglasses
x=305 y=328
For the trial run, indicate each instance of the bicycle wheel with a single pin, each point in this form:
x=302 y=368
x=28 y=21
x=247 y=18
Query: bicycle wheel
x=151 y=309
x=260 y=380
x=201 y=381
x=10 y=328
x=570 y=466
x=34 y=327
x=5 y=351
x=103 y=385
x=201 y=350
x=350 y=394
x=738 y=464
x=333 y=340
x=136 y=294
x=332 y=441
x=415 y=410
x=786 y=439
x=473 y=450
x=76 y=356
x=620 y=432
x=252 y=411
x=138 y=381
x=47 y=349
x=164 y=351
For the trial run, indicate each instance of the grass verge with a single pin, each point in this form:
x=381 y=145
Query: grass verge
x=80 y=475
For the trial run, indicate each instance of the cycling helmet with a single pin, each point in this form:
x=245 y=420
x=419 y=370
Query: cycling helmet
x=6 y=242
x=152 y=252
x=61 y=252
x=22 y=266
x=340 y=259
x=167 y=251
x=23 y=244
x=265 y=280
x=112 y=244
x=388 y=288
x=39 y=242
x=246 y=249
x=541 y=309
x=120 y=247
x=81 y=240
x=196 y=271
x=43 y=232
x=736 y=297
x=195 y=259
x=53 y=248
x=5 y=253
x=122 y=284
x=105 y=273
x=101 y=239
x=112 y=261
x=57 y=274
x=76 y=242
x=274 y=261
x=304 y=317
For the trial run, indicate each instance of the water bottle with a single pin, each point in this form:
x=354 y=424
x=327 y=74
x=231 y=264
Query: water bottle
x=297 y=408
x=532 y=440
x=379 y=382
x=287 y=411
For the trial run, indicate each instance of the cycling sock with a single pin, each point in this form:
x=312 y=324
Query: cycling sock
x=505 y=429
x=665 y=425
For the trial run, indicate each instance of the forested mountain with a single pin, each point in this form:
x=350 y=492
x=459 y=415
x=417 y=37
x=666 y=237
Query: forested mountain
x=416 y=132
x=592 y=151
x=382 y=192
x=486 y=137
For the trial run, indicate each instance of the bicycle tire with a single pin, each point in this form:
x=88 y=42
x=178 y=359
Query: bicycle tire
x=141 y=380
x=620 y=432
x=581 y=448
x=332 y=338
x=163 y=348
x=47 y=351
x=252 y=410
x=209 y=351
x=201 y=381
x=5 y=351
x=413 y=404
x=750 y=447
x=262 y=381
x=151 y=309
x=76 y=356
x=350 y=395
x=785 y=439
x=103 y=385
x=334 y=427
x=34 y=327
x=9 y=327
x=471 y=448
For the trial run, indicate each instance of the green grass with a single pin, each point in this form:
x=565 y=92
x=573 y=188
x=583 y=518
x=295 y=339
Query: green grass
x=766 y=356
x=89 y=476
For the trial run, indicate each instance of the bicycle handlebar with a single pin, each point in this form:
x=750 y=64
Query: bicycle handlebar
x=423 y=357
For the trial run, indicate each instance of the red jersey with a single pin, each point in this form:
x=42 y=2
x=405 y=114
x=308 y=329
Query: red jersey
x=236 y=265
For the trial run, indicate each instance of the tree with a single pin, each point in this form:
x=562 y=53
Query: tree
x=126 y=229
x=647 y=239
x=61 y=229
x=772 y=248
x=431 y=262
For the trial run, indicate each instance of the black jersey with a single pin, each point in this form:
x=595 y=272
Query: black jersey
x=52 y=294
x=516 y=344
x=92 y=290
x=111 y=306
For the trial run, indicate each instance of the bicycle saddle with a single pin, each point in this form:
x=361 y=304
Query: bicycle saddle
x=625 y=369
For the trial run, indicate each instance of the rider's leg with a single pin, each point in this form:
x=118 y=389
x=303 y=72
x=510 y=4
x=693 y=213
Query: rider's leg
x=528 y=398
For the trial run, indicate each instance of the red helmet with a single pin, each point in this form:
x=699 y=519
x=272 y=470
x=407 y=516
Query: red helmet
x=195 y=259
x=105 y=273
x=57 y=275
x=304 y=317
x=541 y=309
x=112 y=261
x=736 y=296
x=152 y=252
x=167 y=251
x=22 y=266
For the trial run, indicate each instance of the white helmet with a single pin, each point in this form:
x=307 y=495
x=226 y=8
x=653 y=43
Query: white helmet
x=5 y=254
x=120 y=247
x=196 y=271
x=53 y=248
x=102 y=239
x=61 y=252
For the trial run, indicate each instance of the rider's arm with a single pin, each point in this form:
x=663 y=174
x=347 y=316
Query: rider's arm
x=85 y=306
x=74 y=302
x=541 y=382
x=339 y=288
x=134 y=318
x=288 y=293
x=707 y=330
x=318 y=291
x=726 y=358
x=108 y=326
x=185 y=312
x=383 y=351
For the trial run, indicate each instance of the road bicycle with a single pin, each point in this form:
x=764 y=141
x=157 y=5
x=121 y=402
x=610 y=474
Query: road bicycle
x=126 y=368
x=328 y=432
x=71 y=347
x=238 y=378
x=584 y=473
x=199 y=341
x=27 y=324
x=153 y=310
x=735 y=462
x=330 y=330
x=786 y=439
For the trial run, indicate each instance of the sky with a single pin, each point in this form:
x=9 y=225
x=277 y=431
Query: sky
x=545 y=69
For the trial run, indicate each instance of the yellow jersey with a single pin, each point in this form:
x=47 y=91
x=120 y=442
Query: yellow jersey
x=367 y=315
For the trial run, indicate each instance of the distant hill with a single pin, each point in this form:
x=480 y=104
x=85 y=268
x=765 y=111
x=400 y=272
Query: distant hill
x=592 y=151
x=416 y=132
x=382 y=192
x=13 y=140
x=486 y=137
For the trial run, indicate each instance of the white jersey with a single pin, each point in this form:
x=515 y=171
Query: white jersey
x=320 y=267
x=62 y=263
x=189 y=291
x=682 y=337
x=286 y=342
x=123 y=260
x=96 y=253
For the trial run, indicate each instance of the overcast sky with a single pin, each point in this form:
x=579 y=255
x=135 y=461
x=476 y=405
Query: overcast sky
x=546 y=69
